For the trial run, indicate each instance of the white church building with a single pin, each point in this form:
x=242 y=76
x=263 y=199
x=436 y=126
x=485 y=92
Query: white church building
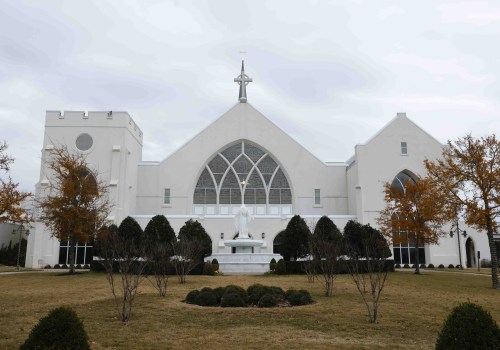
x=243 y=158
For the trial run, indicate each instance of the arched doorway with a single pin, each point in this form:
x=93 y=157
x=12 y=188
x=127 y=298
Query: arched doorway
x=470 y=252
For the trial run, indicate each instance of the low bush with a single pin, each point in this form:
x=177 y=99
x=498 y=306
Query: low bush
x=422 y=266
x=397 y=266
x=430 y=266
x=64 y=266
x=441 y=266
x=256 y=291
x=86 y=266
x=458 y=266
x=57 y=266
x=406 y=266
x=486 y=262
x=469 y=326
x=232 y=289
x=47 y=266
x=219 y=292
x=60 y=329
x=298 y=297
x=268 y=300
x=451 y=266
x=281 y=267
x=79 y=267
x=208 y=269
x=232 y=300
x=191 y=296
x=206 y=298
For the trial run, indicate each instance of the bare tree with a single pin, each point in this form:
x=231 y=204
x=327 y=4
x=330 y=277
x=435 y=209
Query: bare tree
x=327 y=253
x=185 y=257
x=159 y=238
x=366 y=262
x=122 y=250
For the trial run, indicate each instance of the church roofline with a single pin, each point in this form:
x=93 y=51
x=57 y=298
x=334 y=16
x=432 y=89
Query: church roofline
x=399 y=115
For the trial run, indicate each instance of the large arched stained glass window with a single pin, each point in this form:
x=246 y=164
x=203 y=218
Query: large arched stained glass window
x=242 y=173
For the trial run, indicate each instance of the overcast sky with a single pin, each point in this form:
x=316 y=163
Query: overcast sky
x=330 y=73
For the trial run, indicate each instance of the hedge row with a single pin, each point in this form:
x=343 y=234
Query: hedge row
x=298 y=267
x=97 y=266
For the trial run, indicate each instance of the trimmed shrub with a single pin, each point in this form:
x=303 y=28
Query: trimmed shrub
x=232 y=300
x=272 y=265
x=267 y=300
x=256 y=291
x=281 y=267
x=78 y=266
x=406 y=266
x=215 y=265
x=397 y=266
x=206 y=298
x=219 y=292
x=57 y=266
x=458 y=266
x=422 y=266
x=441 y=266
x=191 y=296
x=451 y=266
x=60 y=329
x=47 y=266
x=430 y=266
x=208 y=269
x=486 y=262
x=298 y=297
x=469 y=326
x=232 y=289
x=64 y=266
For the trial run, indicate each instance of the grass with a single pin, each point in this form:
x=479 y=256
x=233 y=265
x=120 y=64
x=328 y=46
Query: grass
x=412 y=310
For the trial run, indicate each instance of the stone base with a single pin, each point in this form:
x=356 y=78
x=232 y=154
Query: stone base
x=244 y=263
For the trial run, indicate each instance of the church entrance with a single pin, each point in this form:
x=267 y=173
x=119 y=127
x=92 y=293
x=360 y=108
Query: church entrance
x=470 y=252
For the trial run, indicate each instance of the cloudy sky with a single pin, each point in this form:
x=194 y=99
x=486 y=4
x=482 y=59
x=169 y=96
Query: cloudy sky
x=330 y=73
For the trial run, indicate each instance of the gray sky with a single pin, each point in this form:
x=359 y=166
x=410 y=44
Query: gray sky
x=330 y=73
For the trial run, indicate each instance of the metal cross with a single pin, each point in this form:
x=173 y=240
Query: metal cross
x=243 y=81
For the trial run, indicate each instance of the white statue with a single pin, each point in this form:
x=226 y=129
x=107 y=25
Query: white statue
x=241 y=220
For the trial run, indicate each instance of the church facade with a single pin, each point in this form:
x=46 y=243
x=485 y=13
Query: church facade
x=243 y=158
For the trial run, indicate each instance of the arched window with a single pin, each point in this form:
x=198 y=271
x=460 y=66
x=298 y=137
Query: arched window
x=242 y=173
x=404 y=252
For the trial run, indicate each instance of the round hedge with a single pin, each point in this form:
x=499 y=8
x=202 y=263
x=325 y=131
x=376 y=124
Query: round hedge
x=60 y=329
x=191 y=296
x=469 y=326
x=232 y=289
x=232 y=300
x=267 y=300
x=298 y=297
x=206 y=298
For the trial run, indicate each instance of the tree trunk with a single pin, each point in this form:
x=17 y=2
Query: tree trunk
x=71 y=257
x=417 y=259
x=494 y=254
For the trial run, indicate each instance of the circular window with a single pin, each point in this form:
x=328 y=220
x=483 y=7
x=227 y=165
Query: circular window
x=84 y=142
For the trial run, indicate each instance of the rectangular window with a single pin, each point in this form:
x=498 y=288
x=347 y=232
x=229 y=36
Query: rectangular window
x=166 y=196
x=317 y=196
x=404 y=148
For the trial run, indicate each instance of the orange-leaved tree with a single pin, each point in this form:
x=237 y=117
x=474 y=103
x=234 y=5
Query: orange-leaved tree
x=469 y=174
x=414 y=213
x=11 y=197
x=75 y=205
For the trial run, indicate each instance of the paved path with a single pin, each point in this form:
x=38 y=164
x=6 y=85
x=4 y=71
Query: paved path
x=444 y=271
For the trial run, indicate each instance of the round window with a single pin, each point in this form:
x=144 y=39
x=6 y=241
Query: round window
x=84 y=142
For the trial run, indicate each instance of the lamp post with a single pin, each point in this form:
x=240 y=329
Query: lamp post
x=456 y=228
x=21 y=230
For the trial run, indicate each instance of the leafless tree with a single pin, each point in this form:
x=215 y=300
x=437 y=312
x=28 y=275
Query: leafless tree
x=185 y=257
x=327 y=254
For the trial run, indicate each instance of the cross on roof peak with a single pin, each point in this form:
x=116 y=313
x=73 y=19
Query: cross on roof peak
x=243 y=81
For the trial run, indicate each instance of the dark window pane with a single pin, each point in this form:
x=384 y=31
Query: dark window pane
x=421 y=255
x=249 y=196
x=199 y=196
x=210 y=196
x=232 y=152
x=404 y=256
x=253 y=152
x=397 y=255
x=89 y=255
x=279 y=180
x=235 y=196
x=63 y=251
x=274 y=197
x=286 y=196
x=80 y=254
x=267 y=165
x=205 y=180
x=230 y=181
x=218 y=165
x=260 y=196
x=224 y=196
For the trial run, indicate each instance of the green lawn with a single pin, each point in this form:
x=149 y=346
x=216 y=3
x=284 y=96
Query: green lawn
x=412 y=310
